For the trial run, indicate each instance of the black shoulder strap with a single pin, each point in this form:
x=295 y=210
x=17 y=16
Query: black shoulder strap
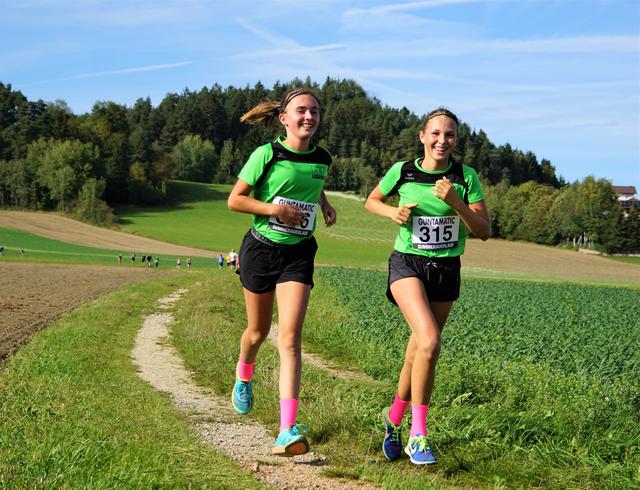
x=406 y=168
x=408 y=173
x=279 y=152
x=267 y=166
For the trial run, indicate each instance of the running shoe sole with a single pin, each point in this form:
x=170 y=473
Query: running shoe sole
x=294 y=448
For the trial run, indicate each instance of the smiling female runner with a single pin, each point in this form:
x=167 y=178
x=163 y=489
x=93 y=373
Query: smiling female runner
x=277 y=253
x=439 y=200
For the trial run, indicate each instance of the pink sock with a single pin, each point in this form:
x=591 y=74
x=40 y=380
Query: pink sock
x=244 y=371
x=396 y=412
x=288 y=413
x=419 y=419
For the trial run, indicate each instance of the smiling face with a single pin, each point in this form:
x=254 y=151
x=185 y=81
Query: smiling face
x=300 y=118
x=439 y=138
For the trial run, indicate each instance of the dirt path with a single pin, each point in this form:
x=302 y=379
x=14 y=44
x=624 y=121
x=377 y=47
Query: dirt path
x=58 y=227
x=243 y=439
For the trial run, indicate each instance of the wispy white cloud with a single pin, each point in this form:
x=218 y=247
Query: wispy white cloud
x=131 y=70
x=427 y=47
x=124 y=71
x=315 y=57
x=288 y=51
x=316 y=63
x=403 y=7
x=426 y=75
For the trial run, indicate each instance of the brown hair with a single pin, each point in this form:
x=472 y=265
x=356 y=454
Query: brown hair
x=265 y=112
x=440 y=111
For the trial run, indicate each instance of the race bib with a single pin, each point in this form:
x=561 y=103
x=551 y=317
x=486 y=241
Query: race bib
x=434 y=232
x=305 y=227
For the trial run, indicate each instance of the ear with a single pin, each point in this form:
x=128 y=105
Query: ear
x=421 y=134
x=282 y=117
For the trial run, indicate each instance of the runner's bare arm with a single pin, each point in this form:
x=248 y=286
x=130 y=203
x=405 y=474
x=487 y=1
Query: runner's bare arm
x=328 y=211
x=376 y=204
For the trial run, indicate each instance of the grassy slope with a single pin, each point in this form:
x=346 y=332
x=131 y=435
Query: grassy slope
x=40 y=249
x=74 y=414
x=198 y=216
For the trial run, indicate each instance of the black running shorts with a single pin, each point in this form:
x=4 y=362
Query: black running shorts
x=264 y=263
x=440 y=276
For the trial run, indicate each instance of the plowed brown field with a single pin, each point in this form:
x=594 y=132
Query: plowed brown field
x=33 y=296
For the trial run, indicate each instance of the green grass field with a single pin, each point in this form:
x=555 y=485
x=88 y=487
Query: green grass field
x=537 y=386
x=538 y=396
x=74 y=414
x=626 y=260
x=41 y=249
x=197 y=216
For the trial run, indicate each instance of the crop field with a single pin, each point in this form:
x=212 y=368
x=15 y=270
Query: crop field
x=544 y=374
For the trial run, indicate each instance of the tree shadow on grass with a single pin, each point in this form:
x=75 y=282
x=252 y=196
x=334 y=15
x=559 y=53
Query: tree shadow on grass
x=179 y=196
x=184 y=192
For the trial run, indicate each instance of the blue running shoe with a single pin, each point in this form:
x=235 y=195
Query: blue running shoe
x=242 y=396
x=291 y=442
x=419 y=451
x=392 y=444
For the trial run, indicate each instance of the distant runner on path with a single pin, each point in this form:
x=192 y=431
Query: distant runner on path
x=233 y=259
x=439 y=200
x=278 y=251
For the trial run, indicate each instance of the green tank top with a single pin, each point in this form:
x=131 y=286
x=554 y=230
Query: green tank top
x=434 y=228
x=281 y=175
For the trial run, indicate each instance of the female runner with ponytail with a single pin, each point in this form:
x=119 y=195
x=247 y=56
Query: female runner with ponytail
x=281 y=185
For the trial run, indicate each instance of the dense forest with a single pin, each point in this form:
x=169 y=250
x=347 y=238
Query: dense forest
x=51 y=158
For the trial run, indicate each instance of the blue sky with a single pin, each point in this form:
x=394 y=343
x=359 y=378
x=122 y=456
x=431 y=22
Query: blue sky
x=560 y=78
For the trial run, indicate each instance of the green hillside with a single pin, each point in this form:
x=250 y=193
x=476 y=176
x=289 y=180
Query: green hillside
x=197 y=216
x=41 y=249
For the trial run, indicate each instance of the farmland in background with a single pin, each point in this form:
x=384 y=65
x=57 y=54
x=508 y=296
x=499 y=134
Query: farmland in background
x=198 y=216
x=41 y=249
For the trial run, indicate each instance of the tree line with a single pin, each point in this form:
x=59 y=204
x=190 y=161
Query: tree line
x=82 y=164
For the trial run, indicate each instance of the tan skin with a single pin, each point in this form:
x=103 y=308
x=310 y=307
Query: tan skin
x=426 y=317
x=300 y=120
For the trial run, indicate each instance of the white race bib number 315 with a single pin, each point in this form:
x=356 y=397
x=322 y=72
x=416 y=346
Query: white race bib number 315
x=305 y=227
x=434 y=232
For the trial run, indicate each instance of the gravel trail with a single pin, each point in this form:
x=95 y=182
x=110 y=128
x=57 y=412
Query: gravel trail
x=243 y=439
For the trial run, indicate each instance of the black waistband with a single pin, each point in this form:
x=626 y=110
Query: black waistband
x=263 y=239
x=432 y=260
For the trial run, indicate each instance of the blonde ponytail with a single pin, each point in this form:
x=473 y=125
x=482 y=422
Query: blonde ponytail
x=262 y=114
